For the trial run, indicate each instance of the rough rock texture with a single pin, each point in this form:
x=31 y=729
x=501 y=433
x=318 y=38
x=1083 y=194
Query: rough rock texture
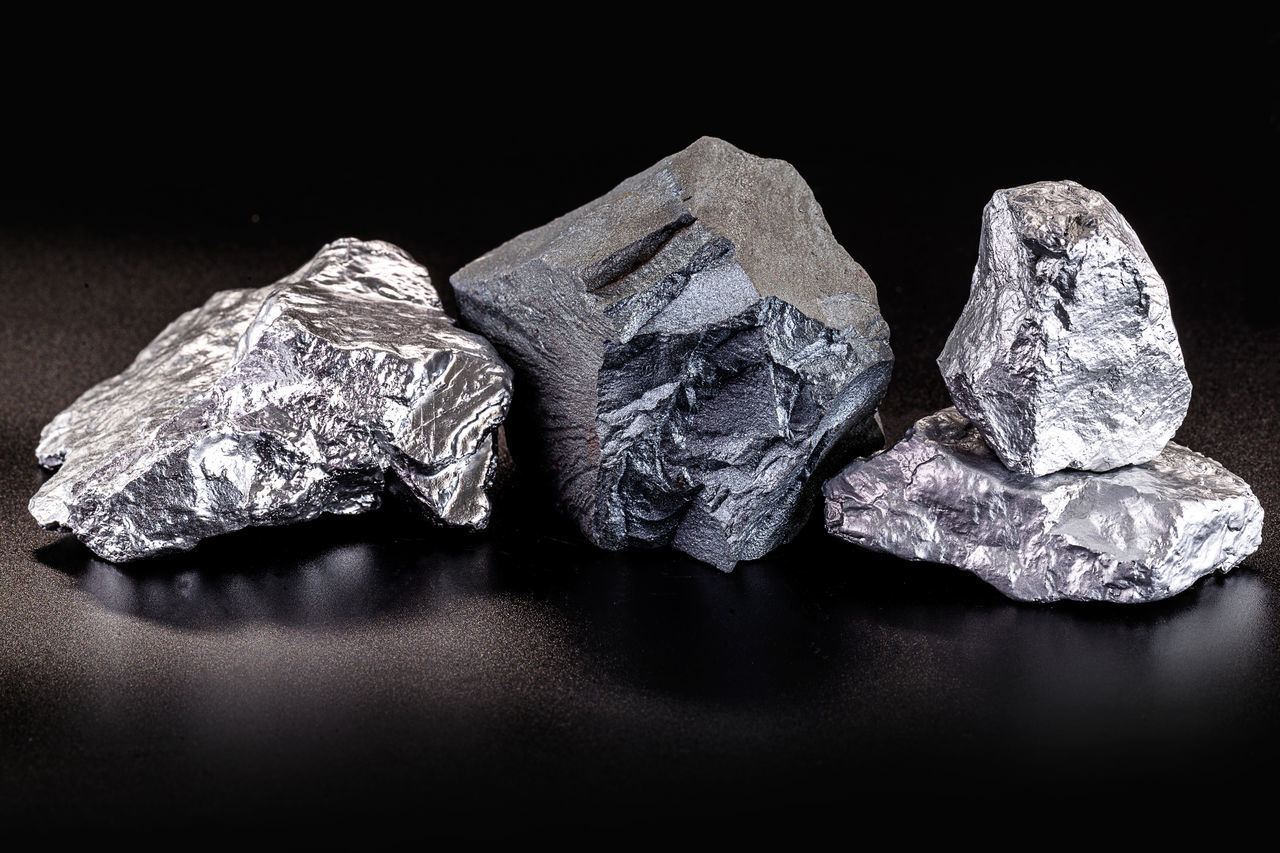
x=695 y=341
x=274 y=405
x=1065 y=355
x=1139 y=533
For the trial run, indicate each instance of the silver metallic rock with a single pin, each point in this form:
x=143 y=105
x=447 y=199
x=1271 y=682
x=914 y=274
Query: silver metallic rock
x=1139 y=533
x=1065 y=355
x=274 y=405
x=695 y=343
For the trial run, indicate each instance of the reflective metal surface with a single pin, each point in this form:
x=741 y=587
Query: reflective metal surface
x=275 y=405
x=1065 y=355
x=366 y=675
x=1139 y=533
x=695 y=343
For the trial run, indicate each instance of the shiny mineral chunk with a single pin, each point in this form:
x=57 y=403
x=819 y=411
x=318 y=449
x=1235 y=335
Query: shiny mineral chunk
x=1139 y=533
x=274 y=405
x=1065 y=355
x=694 y=343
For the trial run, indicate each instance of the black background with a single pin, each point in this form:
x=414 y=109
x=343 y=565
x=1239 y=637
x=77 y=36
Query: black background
x=374 y=671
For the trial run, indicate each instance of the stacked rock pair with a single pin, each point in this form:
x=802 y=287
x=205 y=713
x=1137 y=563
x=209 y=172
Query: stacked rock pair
x=694 y=353
x=1054 y=476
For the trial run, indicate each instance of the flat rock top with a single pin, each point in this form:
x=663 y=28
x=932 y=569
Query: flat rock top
x=1177 y=472
x=781 y=238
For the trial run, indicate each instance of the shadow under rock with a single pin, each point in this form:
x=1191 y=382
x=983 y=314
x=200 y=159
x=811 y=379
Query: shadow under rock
x=816 y=618
x=327 y=571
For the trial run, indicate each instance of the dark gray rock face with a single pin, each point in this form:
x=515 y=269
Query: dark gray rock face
x=277 y=404
x=1065 y=355
x=1138 y=533
x=696 y=342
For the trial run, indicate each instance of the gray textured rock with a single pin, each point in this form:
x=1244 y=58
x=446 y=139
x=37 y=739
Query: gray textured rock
x=695 y=343
x=1065 y=355
x=1139 y=533
x=274 y=405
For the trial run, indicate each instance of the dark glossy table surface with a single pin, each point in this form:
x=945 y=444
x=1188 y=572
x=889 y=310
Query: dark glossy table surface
x=375 y=667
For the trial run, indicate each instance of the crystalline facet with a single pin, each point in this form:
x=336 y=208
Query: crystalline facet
x=695 y=343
